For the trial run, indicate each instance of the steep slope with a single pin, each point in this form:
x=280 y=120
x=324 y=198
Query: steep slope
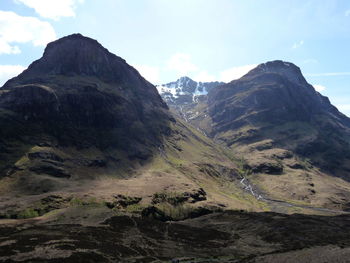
x=187 y=99
x=78 y=95
x=274 y=101
x=81 y=124
x=279 y=125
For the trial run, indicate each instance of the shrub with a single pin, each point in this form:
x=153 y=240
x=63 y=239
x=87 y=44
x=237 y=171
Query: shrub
x=28 y=213
x=172 y=198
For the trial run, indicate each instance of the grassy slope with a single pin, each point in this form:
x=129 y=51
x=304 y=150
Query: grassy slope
x=300 y=182
x=187 y=162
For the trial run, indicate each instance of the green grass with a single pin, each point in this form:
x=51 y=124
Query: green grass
x=91 y=201
x=135 y=208
x=28 y=213
x=173 y=198
x=178 y=212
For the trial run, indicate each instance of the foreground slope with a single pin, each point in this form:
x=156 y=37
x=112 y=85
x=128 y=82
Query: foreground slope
x=229 y=237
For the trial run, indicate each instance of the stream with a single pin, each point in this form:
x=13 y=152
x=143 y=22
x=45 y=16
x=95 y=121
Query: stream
x=280 y=206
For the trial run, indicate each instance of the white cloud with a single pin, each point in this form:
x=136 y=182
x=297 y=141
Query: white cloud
x=328 y=74
x=181 y=62
x=6 y=48
x=9 y=71
x=22 y=29
x=298 y=44
x=347 y=12
x=53 y=9
x=344 y=108
x=204 y=76
x=310 y=61
x=150 y=73
x=319 y=88
x=235 y=72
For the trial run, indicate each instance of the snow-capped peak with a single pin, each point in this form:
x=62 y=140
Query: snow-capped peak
x=184 y=90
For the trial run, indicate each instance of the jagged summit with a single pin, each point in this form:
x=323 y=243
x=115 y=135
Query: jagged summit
x=185 y=90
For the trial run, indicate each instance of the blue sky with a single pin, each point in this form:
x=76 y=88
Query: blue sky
x=203 y=39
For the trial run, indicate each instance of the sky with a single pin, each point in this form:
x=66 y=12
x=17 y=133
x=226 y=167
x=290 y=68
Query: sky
x=206 y=40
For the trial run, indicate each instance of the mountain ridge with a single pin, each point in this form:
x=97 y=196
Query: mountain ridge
x=279 y=125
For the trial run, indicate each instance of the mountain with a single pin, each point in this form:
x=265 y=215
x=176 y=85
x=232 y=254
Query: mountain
x=279 y=125
x=185 y=90
x=187 y=99
x=274 y=102
x=95 y=167
x=82 y=124
x=82 y=96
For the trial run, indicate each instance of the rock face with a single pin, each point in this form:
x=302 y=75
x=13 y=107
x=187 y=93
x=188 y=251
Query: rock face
x=78 y=85
x=272 y=110
x=188 y=99
x=80 y=95
x=274 y=92
x=274 y=102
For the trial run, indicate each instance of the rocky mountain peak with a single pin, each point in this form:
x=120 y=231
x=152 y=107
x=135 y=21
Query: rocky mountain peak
x=79 y=55
x=275 y=88
x=185 y=90
x=78 y=91
x=282 y=68
x=79 y=49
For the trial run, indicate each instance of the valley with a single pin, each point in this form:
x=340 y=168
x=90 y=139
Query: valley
x=99 y=165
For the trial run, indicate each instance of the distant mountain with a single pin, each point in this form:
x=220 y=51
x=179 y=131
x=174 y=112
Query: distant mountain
x=185 y=90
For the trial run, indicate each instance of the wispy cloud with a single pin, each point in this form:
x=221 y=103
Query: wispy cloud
x=9 y=71
x=53 y=9
x=327 y=74
x=152 y=74
x=342 y=103
x=310 y=61
x=183 y=65
x=181 y=62
x=22 y=29
x=347 y=12
x=344 y=108
x=298 y=44
x=204 y=76
x=318 y=87
x=235 y=72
